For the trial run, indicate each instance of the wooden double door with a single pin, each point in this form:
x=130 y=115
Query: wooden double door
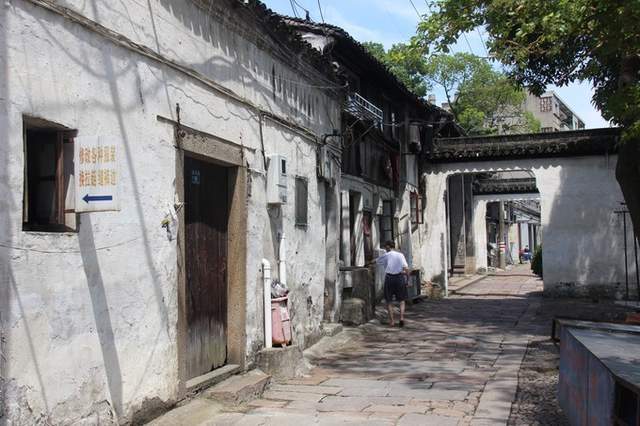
x=207 y=216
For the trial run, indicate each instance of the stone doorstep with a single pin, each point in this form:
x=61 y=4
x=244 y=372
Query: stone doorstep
x=240 y=388
x=216 y=376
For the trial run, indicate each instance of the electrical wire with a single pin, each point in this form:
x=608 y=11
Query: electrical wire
x=468 y=44
x=285 y=50
x=300 y=6
x=486 y=52
x=293 y=8
x=321 y=14
x=416 y=9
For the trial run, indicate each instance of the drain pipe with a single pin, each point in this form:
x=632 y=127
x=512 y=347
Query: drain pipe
x=266 y=276
x=282 y=260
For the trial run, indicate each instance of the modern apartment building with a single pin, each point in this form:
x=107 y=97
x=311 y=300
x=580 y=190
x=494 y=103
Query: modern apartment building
x=554 y=114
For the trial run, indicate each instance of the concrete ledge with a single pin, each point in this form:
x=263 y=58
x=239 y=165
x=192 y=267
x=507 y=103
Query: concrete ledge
x=213 y=377
x=281 y=363
x=614 y=291
x=240 y=388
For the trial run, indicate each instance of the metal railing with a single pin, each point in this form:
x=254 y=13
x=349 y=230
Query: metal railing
x=362 y=108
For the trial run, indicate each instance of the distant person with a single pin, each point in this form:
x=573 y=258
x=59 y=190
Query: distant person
x=396 y=279
x=526 y=254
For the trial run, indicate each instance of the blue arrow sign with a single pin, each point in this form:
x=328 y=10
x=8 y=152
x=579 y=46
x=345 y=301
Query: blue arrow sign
x=91 y=198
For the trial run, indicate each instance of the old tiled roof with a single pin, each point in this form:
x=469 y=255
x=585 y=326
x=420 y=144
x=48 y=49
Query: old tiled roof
x=276 y=26
x=328 y=29
x=505 y=186
x=558 y=144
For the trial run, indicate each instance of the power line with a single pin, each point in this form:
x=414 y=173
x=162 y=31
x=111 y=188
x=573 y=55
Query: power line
x=320 y=9
x=301 y=6
x=482 y=40
x=293 y=8
x=416 y=9
x=468 y=44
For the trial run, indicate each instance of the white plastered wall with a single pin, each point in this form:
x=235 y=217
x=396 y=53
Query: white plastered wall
x=480 y=234
x=90 y=317
x=582 y=237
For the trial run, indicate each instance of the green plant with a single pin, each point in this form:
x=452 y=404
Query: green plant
x=536 y=261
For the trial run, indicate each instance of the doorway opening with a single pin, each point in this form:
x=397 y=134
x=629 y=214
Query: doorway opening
x=206 y=195
x=493 y=220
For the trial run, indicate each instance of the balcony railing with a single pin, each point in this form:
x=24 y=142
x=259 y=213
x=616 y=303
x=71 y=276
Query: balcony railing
x=361 y=108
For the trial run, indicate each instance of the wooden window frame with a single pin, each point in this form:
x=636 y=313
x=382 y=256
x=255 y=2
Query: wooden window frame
x=415 y=206
x=63 y=136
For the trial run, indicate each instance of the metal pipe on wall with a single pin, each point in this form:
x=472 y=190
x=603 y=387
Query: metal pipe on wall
x=266 y=275
x=282 y=260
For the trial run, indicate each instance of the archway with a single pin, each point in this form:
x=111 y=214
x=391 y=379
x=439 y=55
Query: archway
x=583 y=237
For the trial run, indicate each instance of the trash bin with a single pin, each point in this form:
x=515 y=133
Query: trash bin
x=280 y=321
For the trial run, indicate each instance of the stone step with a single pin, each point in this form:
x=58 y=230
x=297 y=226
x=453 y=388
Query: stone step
x=331 y=329
x=212 y=378
x=239 y=389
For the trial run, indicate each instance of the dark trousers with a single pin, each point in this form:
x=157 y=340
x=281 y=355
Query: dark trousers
x=395 y=286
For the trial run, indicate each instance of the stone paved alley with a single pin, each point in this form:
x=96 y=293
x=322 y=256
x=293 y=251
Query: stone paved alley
x=456 y=362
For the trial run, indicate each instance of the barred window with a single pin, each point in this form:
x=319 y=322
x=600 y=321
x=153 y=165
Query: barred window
x=546 y=104
x=302 y=195
x=386 y=222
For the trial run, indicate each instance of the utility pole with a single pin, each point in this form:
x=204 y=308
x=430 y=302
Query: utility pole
x=502 y=259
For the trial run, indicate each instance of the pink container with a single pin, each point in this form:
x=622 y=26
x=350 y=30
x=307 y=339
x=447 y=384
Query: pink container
x=280 y=321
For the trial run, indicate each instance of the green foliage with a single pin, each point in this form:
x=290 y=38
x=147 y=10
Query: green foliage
x=553 y=42
x=482 y=100
x=536 y=261
x=405 y=63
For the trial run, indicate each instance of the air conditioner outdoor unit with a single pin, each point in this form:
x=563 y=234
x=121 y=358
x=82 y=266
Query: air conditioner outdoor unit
x=325 y=164
x=277 y=180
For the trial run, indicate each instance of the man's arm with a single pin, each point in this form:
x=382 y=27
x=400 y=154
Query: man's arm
x=405 y=268
x=380 y=260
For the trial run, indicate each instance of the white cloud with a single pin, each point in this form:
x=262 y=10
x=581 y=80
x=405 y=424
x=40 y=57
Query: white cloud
x=358 y=32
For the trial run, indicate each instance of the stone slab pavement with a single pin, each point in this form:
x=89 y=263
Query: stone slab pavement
x=455 y=362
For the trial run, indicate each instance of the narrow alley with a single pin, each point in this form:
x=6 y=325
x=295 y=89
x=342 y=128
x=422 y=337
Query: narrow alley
x=457 y=361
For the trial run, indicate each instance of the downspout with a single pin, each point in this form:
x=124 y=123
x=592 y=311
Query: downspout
x=266 y=276
x=282 y=260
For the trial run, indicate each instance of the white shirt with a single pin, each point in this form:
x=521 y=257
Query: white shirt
x=394 y=262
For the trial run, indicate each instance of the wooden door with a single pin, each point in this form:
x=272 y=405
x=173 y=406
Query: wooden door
x=207 y=212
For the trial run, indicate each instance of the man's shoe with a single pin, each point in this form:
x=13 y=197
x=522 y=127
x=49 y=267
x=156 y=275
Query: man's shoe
x=401 y=323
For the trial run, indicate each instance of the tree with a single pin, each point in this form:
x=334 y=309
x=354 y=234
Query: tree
x=545 y=42
x=405 y=63
x=481 y=99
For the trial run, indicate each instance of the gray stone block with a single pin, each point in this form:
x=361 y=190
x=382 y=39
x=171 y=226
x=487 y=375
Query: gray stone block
x=239 y=389
x=282 y=363
x=354 y=311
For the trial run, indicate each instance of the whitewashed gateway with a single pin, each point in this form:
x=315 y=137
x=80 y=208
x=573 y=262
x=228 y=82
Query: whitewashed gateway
x=135 y=142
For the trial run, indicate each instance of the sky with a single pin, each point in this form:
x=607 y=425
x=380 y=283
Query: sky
x=394 y=21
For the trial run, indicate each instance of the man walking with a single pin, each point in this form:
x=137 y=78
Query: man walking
x=395 y=281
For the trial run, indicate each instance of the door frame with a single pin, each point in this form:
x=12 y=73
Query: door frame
x=209 y=148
